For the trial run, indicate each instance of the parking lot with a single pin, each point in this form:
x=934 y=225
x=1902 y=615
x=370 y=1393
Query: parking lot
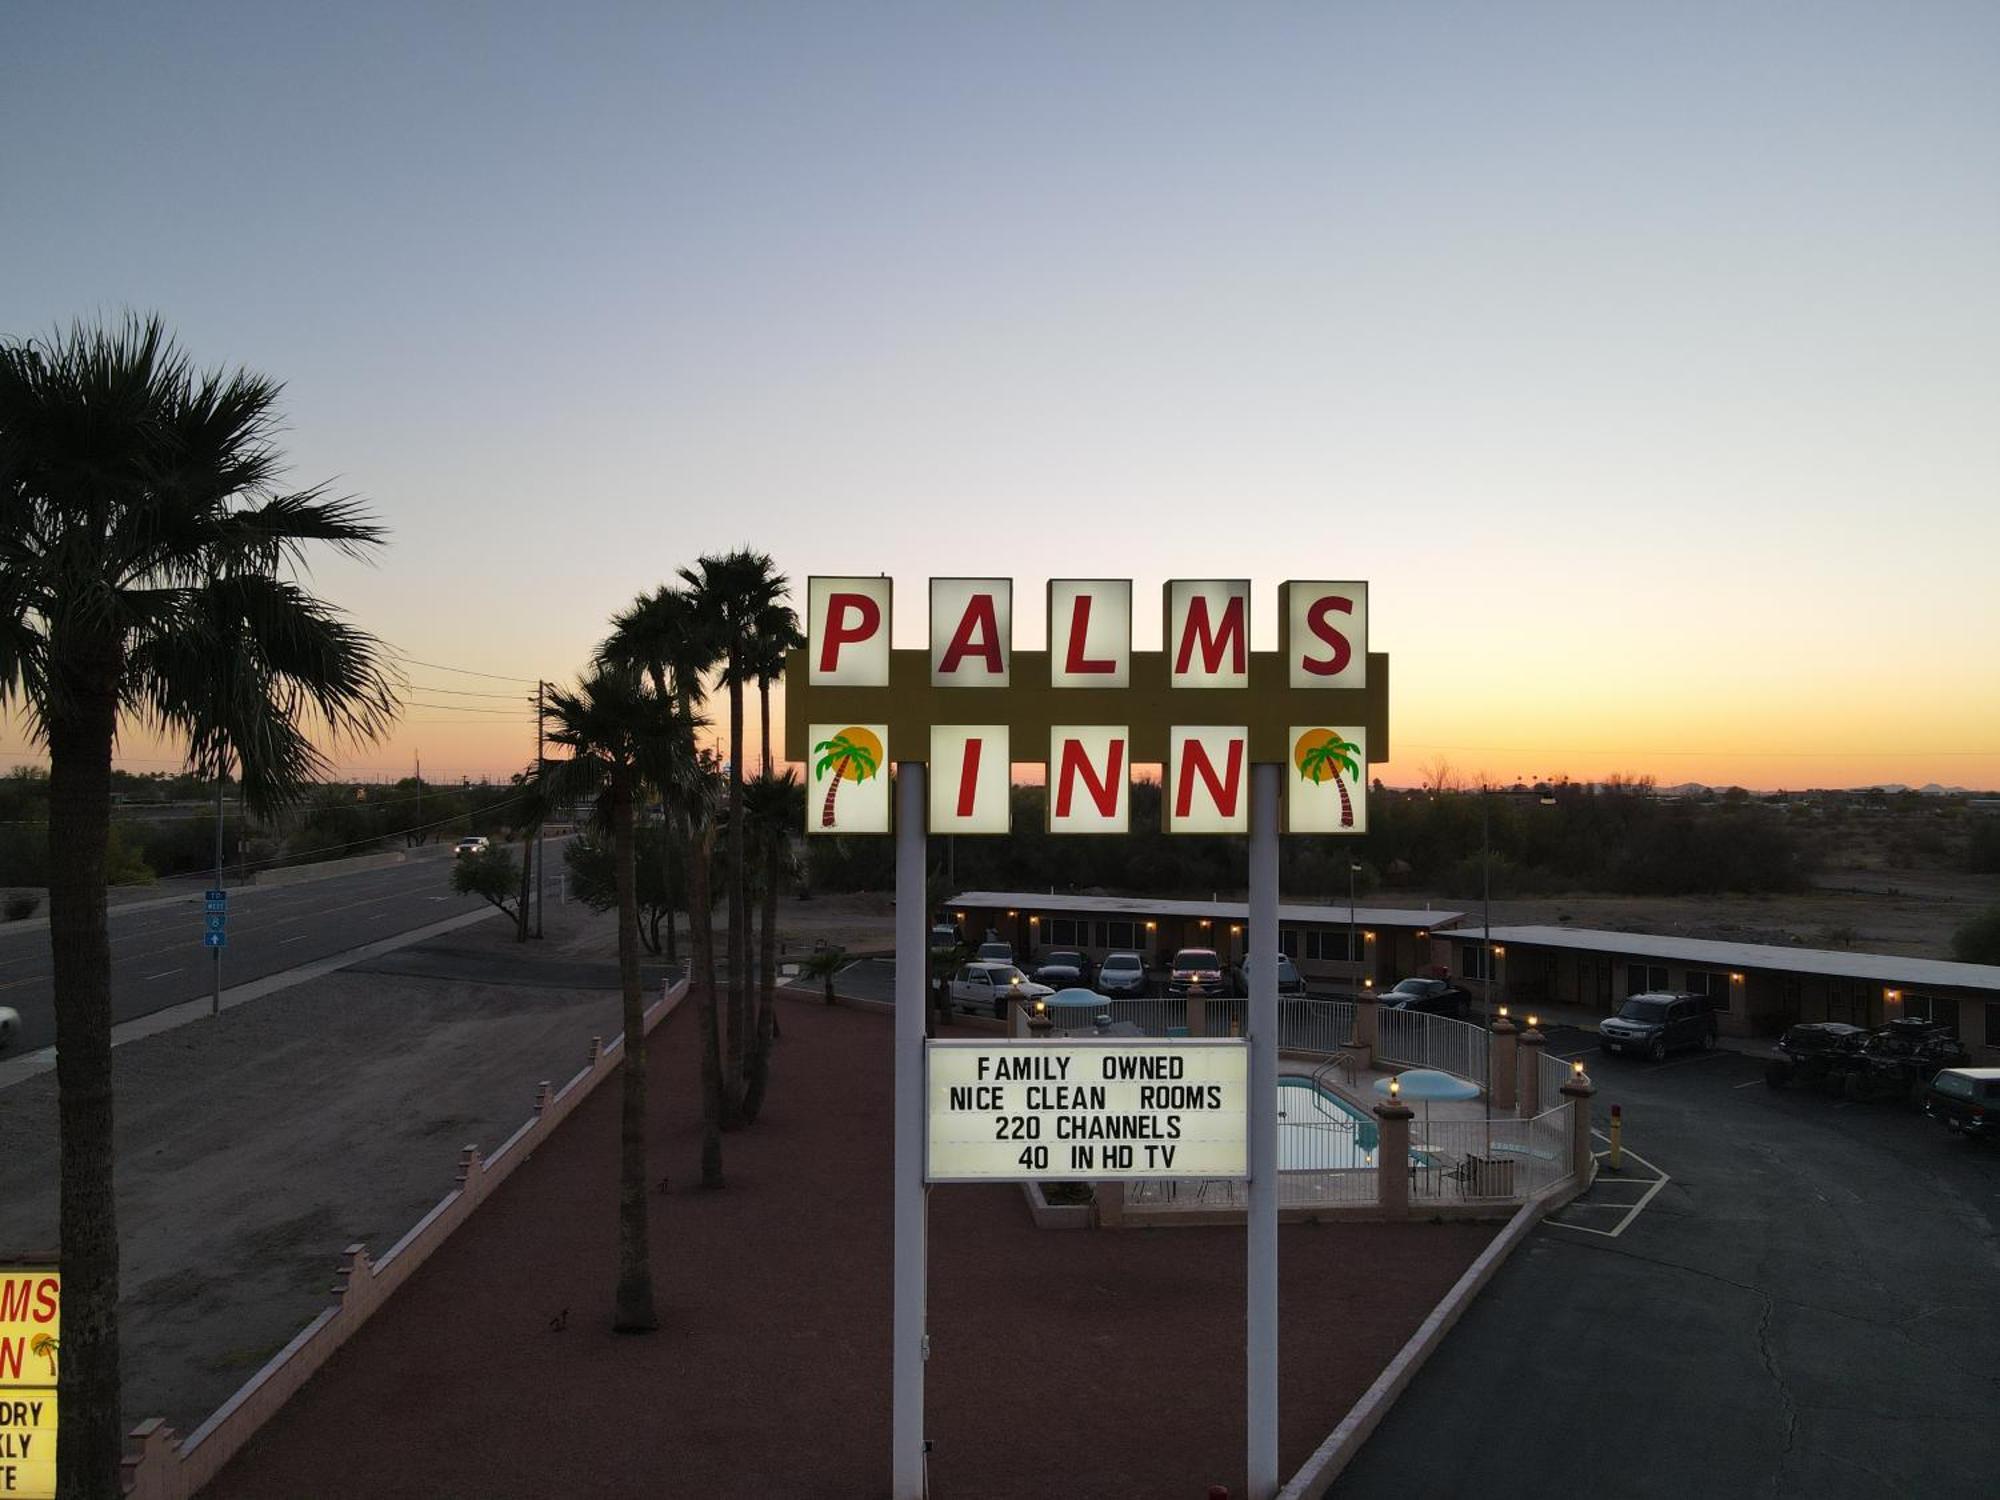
x=1783 y=1294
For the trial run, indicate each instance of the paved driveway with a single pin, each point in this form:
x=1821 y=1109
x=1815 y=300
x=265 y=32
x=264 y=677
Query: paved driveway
x=1806 y=1306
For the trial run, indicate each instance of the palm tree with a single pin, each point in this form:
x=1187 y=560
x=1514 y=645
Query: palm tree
x=774 y=633
x=700 y=804
x=776 y=805
x=1321 y=758
x=665 y=636
x=148 y=575
x=824 y=966
x=851 y=753
x=47 y=1345
x=731 y=591
x=619 y=738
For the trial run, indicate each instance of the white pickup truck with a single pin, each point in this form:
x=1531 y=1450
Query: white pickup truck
x=988 y=988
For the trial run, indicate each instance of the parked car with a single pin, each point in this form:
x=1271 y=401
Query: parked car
x=1430 y=997
x=472 y=843
x=1657 y=1023
x=1899 y=1060
x=1063 y=968
x=1122 y=976
x=1290 y=981
x=1191 y=966
x=943 y=936
x=1816 y=1052
x=998 y=953
x=1966 y=1101
x=988 y=988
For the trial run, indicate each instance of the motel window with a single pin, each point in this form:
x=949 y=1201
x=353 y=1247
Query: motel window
x=1710 y=984
x=1933 y=1008
x=1066 y=932
x=1472 y=961
x=1993 y=1023
x=1117 y=934
x=1639 y=978
x=1327 y=947
x=1288 y=941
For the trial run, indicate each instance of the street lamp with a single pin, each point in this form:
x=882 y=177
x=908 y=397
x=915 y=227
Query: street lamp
x=1353 y=869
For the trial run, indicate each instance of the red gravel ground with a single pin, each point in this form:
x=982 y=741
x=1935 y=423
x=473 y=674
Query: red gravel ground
x=1063 y=1363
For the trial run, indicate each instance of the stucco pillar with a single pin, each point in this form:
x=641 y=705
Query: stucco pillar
x=1578 y=1091
x=1108 y=1198
x=1500 y=1063
x=1367 y=1027
x=1529 y=1103
x=1392 y=1159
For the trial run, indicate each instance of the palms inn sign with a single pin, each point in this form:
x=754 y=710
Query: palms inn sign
x=1205 y=707
x=1250 y=743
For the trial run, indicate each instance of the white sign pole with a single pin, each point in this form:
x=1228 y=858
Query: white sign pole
x=1262 y=1024
x=907 y=1337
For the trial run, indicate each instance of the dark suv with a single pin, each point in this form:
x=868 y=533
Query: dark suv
x=1063 y=968
x=1966 y=1101
x=1657 y=1023
x=1816 y=1052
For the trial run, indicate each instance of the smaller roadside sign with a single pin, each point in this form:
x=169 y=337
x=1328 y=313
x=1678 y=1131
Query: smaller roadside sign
x=215 y=898
x=215 y=940
x=1021 y=1109
x=30 y=1353
x=215 y=906
x=217 y=920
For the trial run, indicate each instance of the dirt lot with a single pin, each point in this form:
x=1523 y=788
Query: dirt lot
x=1063 y=1362
x=253 y=1147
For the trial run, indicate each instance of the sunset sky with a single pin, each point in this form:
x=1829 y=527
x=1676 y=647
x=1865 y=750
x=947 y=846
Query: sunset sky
x=1645 y=359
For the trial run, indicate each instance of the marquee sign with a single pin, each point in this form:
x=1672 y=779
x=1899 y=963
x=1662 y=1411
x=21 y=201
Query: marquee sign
x=1203 y=708
x=1021 y=1110
x=30 y=1352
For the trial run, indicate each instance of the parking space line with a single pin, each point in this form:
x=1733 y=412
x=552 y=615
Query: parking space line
x=1631 y=1213
x=1750 y=1085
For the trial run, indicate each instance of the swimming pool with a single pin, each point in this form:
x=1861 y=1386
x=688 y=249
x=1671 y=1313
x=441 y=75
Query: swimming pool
x=1318 y=1131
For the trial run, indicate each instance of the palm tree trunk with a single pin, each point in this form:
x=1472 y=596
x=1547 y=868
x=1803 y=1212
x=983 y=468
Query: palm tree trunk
x=764 y=718
x=635 y=1312
x=767 y=984
x=1346 y=807
x=88 y=1428
x=701 y=977
x=832 y=787
x=737 y=1055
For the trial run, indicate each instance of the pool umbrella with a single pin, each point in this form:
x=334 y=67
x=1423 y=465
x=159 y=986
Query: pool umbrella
x=1428 y=1084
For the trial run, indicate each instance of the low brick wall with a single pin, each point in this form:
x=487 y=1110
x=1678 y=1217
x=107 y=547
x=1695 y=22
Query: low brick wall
x=167 y=1467
x=326 y=869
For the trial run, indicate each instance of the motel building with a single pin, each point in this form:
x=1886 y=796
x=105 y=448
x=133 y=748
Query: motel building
x=1755 y=988
x=1392 y=944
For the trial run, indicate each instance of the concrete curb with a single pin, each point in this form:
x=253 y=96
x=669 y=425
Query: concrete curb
x=32 y=1064
x=1317 y=1474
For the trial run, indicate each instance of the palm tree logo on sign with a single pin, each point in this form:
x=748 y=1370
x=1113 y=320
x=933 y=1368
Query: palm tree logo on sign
x=47 y=1346
x=853 y=756
x=1325 y=759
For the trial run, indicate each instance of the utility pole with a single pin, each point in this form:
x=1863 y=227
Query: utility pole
x=1486 y=902
x=221 y=782
x=541 y=831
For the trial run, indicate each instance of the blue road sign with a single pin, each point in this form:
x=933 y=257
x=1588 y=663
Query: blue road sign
x=215 y=940
x=217 y=921
x=215 y=906
x=213 y=896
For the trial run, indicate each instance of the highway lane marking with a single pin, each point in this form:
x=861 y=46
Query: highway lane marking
x=164 y=973
x=299 y=939
x=1750 y=1085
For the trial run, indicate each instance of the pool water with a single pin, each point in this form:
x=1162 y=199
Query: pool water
x=1318 y=1131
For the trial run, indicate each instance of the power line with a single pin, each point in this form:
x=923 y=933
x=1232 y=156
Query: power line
x=466 y=671
x=425 y=687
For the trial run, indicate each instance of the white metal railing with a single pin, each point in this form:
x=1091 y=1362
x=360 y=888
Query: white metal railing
x=1483 y=1160
x=1155 y=1017
x=1555 y=1072
x=1415 y=1040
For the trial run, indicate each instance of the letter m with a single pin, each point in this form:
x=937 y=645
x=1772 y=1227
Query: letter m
x=14 y=1297
x=1232 y=635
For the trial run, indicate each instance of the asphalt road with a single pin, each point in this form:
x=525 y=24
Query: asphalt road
x=157 y=957
x=1805 y=1307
